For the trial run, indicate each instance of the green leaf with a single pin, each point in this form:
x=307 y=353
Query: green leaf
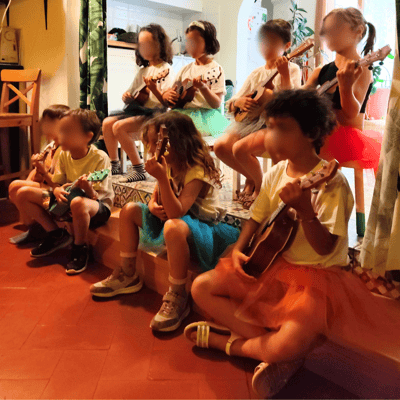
x=391 y=56
x=301 y=9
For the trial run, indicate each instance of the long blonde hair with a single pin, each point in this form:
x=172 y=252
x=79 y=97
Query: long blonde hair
x=188 y=146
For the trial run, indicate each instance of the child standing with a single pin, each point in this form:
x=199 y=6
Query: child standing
x=238 y=148
x=188 y=221
x=342 y=30
x=78 y=130
x=44 y=166
x=153 y=56
x=204 y=109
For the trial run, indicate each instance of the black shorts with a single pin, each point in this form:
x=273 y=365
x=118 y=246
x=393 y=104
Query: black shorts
x=101 y=217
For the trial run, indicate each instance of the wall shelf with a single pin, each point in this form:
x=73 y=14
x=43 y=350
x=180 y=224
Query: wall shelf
x=122 y=45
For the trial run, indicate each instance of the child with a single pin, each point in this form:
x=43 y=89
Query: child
x=154 y=56
x=204 y=109
x=342 y=30
x=78 y=130
x=187 y=221
x=44 y=165
x=238 y=148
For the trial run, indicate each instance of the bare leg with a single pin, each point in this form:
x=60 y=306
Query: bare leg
x=30 y=203
x=223 y=150
x=176 y=233
x=18 y=184
x=246 y=152
x=130 y=220
x=82 y=210
x=110 y=140
x=126 y=131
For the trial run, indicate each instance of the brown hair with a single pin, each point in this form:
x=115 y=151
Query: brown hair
x=355 y=18
x=209 y=34
x=56 y=111
x=189 y=147
x=89 y=121
x=278 y=26
x=160 y=36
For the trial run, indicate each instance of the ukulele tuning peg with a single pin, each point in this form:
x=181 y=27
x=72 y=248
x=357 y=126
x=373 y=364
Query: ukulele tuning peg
x=381 y=63
x=370 y=67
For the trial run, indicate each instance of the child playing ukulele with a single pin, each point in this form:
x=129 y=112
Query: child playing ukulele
x=154 y=57
x=187 y=221
x=238 y=148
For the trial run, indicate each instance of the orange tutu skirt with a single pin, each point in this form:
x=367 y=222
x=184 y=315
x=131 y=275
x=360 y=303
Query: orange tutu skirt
x=332 y=301
x=351 y=144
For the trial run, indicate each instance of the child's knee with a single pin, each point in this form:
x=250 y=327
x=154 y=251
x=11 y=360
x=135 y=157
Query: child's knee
x=238 y=150
x=131 y=212
x=200 y=287
x=13 y=189
x=23 y=194
x=78 y=206
x=175 y=228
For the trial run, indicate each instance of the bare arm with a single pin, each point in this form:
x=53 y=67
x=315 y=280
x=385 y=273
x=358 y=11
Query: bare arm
x=312 y=81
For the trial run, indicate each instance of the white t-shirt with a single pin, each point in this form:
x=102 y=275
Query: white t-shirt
x=333 y=204
x=192 y=71
x=162 y=85
x=261 y=74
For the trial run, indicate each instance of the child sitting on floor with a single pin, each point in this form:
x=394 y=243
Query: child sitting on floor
x=44 y=164
x=78 y=130
x=188 y=221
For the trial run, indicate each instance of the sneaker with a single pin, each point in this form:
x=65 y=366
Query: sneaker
x=55 y=240
x=79 y=259
x=33 y=234
x=174 y=310
x=117 y=283
x=270 y=379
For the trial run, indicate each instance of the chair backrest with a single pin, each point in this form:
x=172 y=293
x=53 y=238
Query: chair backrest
x=10 y=76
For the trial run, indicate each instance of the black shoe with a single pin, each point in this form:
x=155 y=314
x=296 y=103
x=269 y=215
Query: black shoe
x=55 y=240
x=80 y=256
x=33 y=234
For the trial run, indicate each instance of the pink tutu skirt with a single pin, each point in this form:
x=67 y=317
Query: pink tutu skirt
x=351 y=144
x=333 y=302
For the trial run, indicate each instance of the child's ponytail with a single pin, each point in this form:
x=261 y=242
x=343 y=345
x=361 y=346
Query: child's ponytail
x=369 y=45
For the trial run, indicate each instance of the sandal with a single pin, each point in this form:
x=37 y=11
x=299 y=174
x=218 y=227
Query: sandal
x=203 y=333
x=270 y=379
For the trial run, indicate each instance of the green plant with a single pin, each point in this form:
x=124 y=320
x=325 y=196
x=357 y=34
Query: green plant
x=376 y=72
x=299 y=21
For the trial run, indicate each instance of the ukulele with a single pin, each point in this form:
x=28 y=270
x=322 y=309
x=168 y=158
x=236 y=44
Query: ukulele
x=162 y=149
x=275 y=233
x=42 y=156
x=59 y=209
x=142 y=93
x=186 y=91
x=262 y=92
x=369 y=59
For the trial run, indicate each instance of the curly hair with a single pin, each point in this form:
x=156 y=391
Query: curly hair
x=188 y=146
x=89 y=121
x=209 y=35
x=355 y=18
x=159 y=35
x=313 y=113
x=278 y=26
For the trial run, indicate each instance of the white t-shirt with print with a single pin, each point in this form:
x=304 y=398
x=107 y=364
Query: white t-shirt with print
x=261 y=74
x=192 y=71
x=162 y=85
x=333 y=205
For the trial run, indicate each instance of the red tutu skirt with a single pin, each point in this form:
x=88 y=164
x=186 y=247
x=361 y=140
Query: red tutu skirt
x=331 y=301
x=350 y=144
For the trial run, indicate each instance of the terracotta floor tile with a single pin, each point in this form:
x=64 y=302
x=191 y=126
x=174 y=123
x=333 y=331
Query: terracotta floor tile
x=132 y=339
x=22 y=389
x=223 y=389
x=64 y=337
x=116 y=389
x=28 y=364
x=76 y=375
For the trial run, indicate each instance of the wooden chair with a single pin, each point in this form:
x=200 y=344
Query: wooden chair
x=31 y=119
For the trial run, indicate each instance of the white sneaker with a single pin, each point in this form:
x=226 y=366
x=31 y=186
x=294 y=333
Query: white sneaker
x=117 y=283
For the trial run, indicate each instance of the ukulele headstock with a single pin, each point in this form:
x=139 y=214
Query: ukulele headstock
x=374 y=56
x=212 y=75
x=98 y=176
x=303 y=48
x=163 y=141
x=324 y=174
x=161 y=75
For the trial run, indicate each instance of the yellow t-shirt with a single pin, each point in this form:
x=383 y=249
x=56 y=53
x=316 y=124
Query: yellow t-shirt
x=333 y=205
x=207 y=208
x=69 y=169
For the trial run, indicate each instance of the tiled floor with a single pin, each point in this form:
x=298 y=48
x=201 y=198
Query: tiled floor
x=57 y=342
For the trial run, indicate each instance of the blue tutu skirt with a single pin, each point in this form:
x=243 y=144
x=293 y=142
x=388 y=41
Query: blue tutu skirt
x=208 y=243
x=207 y=121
